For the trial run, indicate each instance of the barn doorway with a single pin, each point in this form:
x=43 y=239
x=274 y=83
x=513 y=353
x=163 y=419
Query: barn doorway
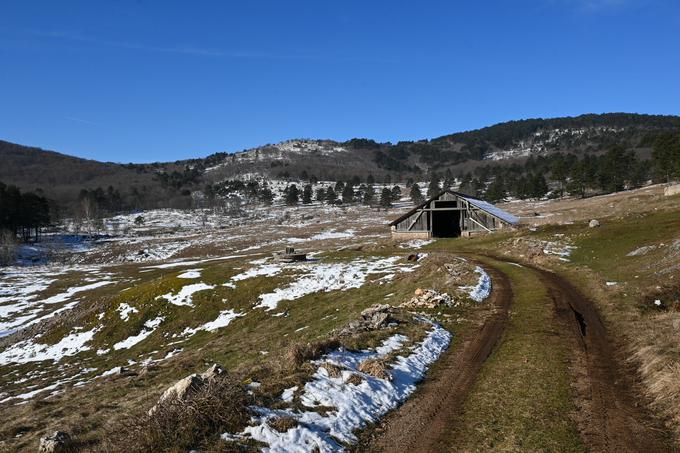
x=446 y=224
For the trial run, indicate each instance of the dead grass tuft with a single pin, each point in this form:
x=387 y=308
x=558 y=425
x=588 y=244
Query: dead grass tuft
x=374 y=367
x=663 y=298
x=300 y=353
x=218 y=407
x=334 y=371
x=355 y=379
x=282 y=424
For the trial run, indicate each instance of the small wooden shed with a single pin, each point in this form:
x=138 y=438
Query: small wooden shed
x=451 y=214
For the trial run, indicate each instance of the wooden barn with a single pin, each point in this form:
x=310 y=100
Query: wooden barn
x=451 y=214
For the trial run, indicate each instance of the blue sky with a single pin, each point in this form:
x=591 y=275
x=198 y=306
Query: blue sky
x=150 y=81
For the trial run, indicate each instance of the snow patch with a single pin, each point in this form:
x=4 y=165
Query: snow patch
x=355 y=405
x=185 y=295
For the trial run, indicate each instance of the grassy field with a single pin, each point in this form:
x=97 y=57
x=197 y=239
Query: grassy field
x=522 y=399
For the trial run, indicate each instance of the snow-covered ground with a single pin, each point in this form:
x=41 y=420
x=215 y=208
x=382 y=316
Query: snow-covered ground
x=482 y=289
x=311 y=277
x=355 y=405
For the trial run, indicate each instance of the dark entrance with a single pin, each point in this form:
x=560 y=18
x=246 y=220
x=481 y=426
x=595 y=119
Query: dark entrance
x=445 y=224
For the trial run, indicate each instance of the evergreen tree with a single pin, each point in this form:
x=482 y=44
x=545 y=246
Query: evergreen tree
x=292 y=195
x=538 y=186
x=466 y=186
x=348 y=194
x=321 y=194
x=433 y=188
x=496 y=190
x=449 y=180
x=370 y=180
x=368 y=195
x=266 y=196
x=396 y=193
x=307 y=194
x=331 y=196
x=416 y=195
x=386 y=198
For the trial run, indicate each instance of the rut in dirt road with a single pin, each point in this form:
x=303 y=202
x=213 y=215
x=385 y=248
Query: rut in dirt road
x=420 y=422
x=610 y=417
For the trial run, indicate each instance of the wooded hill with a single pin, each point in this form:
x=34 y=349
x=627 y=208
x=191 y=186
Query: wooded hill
x=65 y=178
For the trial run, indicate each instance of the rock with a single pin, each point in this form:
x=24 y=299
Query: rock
x=413 y=257
x=418 y=292
x=377 y=308
x=429 y=299
x=58 y=442
x=593 y=223
x=378 y=320
x=184 y=388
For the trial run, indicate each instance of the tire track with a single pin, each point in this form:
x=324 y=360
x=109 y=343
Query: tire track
x=418 y=425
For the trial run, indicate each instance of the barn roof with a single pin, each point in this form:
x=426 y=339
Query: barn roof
x=480 y=204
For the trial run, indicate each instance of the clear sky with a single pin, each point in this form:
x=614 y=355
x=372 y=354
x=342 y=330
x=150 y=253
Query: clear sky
x=141 y=81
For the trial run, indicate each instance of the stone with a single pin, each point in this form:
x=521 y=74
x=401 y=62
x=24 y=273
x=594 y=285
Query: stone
x=418 y=292
x=593 y=223
x=189 y=385
x=58 y=442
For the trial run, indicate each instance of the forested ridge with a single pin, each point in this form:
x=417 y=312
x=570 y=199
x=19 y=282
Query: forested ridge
x=578 y=155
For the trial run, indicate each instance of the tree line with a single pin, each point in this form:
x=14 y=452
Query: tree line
x=23 y=214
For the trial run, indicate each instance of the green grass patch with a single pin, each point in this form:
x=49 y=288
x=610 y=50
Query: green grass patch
x=522 y=397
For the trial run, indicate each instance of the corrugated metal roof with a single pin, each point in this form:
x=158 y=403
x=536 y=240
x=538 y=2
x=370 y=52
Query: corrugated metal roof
x=491 y=209
x=481 y=204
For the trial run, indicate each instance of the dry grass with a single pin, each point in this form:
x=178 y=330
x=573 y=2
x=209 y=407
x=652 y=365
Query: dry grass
x=375 y=367
x=282 y=424
x=334 y=371
x=221 y=406
x=354 y=379
x=300 y=353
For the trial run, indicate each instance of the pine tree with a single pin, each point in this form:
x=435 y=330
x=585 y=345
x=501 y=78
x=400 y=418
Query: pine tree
x=369 y=195
x=495 y=191
x=449 y=180
x=292 y=195
x=321 y=194
x=339 y=186
x=331 y=196
x=386 y=198
x=307 y=194
x=266 y=196
x=396 y=193
x=433 y=188
x=416 y=195
x=348 y=194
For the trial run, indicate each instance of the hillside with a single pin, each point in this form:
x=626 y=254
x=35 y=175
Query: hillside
x=459 y=153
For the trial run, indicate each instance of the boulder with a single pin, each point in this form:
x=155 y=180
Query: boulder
x=593 y=223
x=58 y=442
x=184 y=388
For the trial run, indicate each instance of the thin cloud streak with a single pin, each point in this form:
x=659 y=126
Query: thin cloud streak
x=80 y=120
x=190 y=51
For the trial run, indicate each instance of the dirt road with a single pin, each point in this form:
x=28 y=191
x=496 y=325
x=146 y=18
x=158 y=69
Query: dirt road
x=610 y=416
x=419 y=423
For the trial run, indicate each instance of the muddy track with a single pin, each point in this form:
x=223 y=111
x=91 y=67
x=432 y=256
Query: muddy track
x=418 y=425
x=610 y=416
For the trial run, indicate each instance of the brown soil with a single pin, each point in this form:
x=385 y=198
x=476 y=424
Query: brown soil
x=420 y=422
x=610 y=416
